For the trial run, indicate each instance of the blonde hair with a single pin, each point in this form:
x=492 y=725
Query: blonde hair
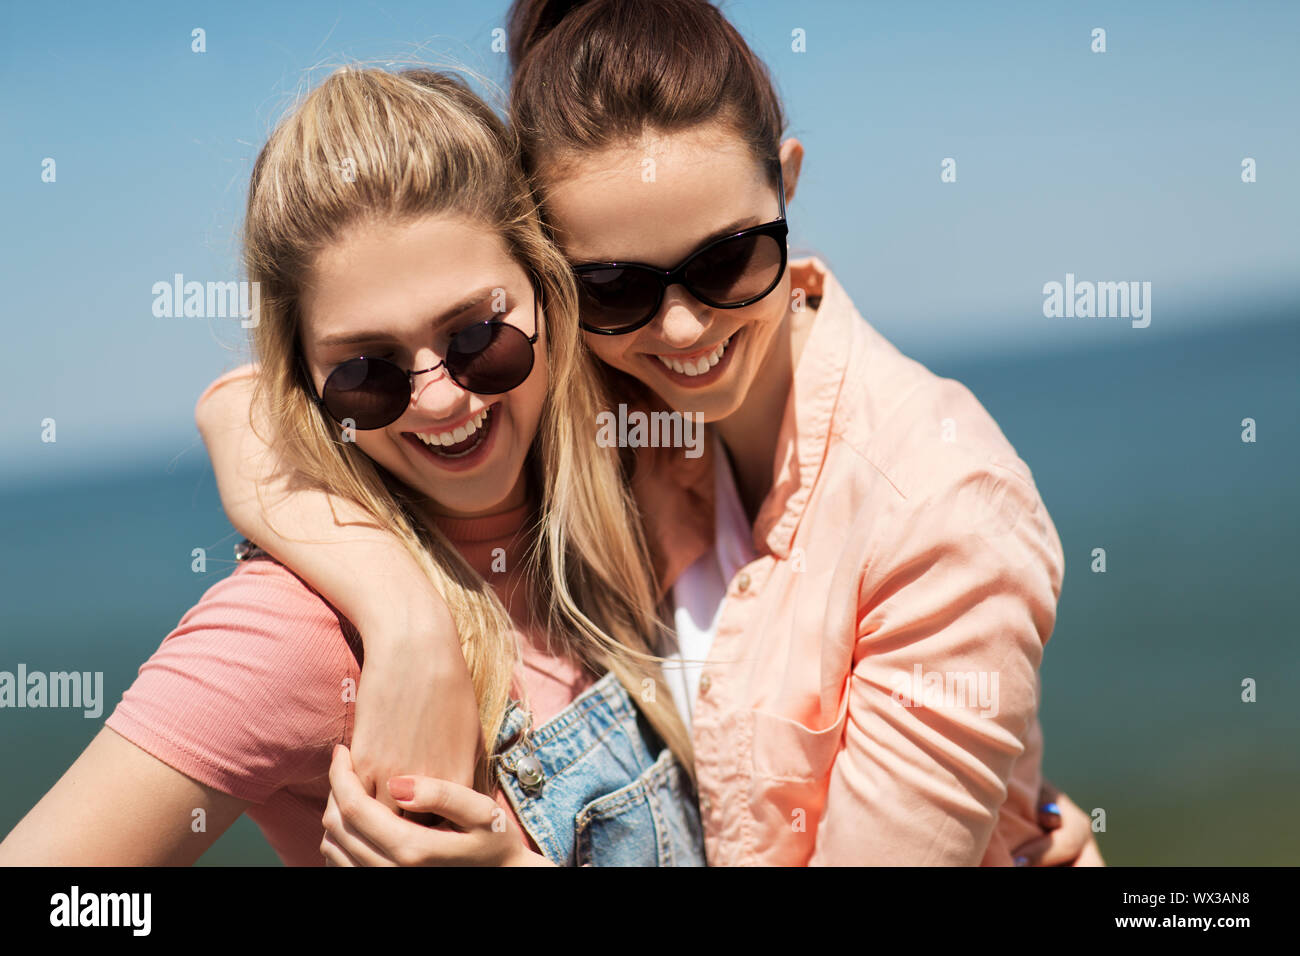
x=414 y=144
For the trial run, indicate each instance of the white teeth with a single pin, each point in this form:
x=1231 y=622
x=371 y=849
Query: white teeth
x=456 y=435
x=693 y=367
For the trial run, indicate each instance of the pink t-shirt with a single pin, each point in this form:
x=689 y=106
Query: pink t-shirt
x=252 y=690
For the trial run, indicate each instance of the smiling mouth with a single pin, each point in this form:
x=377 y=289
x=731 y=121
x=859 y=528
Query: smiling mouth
x=700 y=370
x=460 y=441
x=699 y=365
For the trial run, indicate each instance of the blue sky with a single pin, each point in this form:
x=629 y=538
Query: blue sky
x=1123 y=165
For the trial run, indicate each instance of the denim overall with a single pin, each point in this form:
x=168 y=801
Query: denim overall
x=594 y=786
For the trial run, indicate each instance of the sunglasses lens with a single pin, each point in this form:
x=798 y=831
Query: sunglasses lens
x=489 y=358
x=736 y=270
x=373 y=393
x=610 y=299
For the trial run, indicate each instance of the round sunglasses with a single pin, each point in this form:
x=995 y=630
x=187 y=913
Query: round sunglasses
x=731 y=272
x=486 y=358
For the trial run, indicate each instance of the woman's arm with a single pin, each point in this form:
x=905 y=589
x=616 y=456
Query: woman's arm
x=968 y=603
x=416 y=710
x=119 y=806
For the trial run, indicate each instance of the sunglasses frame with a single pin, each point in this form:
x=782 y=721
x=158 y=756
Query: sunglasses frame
x=411 y=373
x=778 y=228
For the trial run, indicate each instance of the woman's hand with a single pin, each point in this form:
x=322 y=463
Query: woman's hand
x=1069 y=840
x=360 y=831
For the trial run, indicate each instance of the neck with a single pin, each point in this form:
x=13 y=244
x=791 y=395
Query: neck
x=748 y=433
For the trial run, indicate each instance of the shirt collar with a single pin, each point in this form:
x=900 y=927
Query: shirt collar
x=806 y=425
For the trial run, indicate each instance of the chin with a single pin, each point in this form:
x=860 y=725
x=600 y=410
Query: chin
x=474 y=496
x=710 y=410
x=715 y=404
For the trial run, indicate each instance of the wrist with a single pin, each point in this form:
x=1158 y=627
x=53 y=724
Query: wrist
x=425 y=634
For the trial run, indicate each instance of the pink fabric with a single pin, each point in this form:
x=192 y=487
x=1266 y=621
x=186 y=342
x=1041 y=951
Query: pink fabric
x=247 y=694
x=551 y=683
x=902 y=532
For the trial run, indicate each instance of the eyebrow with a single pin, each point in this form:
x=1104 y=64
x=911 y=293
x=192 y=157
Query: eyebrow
x=745 y=222
x=477 y=297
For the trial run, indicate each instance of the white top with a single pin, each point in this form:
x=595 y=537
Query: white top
x=697 y=595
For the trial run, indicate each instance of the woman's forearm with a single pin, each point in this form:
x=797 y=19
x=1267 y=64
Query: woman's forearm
x=416 y=709
x=331 y=542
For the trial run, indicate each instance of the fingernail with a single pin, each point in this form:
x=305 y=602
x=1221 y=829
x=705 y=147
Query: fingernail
x=1050 y=807
x=402 y=788
x=1022 y=861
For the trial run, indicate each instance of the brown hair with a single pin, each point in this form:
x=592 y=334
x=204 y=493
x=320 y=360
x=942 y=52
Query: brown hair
x=588 y=73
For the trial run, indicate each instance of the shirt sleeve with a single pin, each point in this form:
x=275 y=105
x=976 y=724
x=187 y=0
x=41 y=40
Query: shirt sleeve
x=954 y=610
x=251 y=690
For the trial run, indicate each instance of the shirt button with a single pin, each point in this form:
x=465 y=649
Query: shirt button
x=705 y=804
x=742 y=581
x=705 y=683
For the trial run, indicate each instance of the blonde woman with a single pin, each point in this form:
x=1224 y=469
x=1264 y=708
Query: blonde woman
x=419 y=359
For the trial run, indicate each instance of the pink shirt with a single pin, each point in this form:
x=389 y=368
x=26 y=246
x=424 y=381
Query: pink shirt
x=903 y=543
x=252 y=690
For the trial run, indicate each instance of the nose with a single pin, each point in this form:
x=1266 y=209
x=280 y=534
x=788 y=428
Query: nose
x=435 y=393
x=682 y=320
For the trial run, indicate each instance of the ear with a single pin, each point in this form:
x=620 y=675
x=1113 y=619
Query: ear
x=791 y=162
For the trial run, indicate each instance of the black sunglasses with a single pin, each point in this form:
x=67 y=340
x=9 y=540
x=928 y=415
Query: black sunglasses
x=486 y=358
x=730 y=272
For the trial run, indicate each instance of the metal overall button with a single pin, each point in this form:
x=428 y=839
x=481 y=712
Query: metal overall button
x=529 y=772
x=527 y=768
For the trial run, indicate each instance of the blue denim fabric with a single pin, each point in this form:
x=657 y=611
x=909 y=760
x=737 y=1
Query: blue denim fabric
x=613 y=794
